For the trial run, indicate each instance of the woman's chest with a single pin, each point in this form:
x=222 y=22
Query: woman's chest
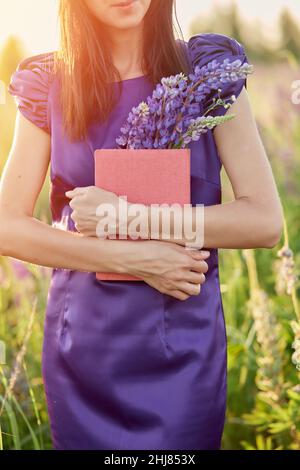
x=72 y=163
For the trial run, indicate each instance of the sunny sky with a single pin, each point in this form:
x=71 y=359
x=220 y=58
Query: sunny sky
x=34 y=21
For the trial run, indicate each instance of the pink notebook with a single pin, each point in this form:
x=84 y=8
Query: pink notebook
x=145 y=176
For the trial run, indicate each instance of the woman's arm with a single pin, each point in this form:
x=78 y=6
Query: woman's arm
x=28 y=239
x=21 y=235
x=252 y=220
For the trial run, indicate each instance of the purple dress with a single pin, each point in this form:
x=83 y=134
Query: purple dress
x=124 y=366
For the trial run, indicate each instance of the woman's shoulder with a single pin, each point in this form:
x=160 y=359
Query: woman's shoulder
x=30 y=84
x=205 y=47
x=37 y=67
x=41 y=60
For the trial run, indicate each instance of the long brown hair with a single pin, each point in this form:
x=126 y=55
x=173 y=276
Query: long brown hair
x=85 y=68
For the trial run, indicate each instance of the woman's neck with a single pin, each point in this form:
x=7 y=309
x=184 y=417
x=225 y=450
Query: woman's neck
x=127 y=51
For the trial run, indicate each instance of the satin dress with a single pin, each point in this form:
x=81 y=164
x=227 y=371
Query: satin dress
x=125 y=366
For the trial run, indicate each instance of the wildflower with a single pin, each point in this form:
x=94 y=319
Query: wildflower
x=171 y=117
x=201 y=125
x=269 y=377
x=296 y=344
x=286 y=276
x=268 y=334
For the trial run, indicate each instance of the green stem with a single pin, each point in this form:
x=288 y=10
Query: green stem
x=252 y=271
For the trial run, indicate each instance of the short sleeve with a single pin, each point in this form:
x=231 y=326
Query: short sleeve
x=29 y=85
x=206 y=47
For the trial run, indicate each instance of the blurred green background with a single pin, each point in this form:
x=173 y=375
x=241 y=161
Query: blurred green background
x=259 y=287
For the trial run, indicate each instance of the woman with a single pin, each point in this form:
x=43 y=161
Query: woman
x=129 y=364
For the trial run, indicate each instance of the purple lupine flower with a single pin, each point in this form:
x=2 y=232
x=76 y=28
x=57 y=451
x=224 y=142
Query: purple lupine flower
x=170 y=117
x=200 y=126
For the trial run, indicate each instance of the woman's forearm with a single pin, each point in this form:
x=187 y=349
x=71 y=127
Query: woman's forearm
x=246 y=222
x=31 y=240
x=241 y=223
x=166 y=267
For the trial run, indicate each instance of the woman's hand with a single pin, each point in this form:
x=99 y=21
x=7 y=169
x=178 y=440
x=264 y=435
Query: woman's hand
x=112 y=219
x=169 y=268
x=84 y=203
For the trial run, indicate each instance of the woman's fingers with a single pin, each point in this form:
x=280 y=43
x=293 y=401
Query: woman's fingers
x=179 y=276
x=196 y=261
x=177 y=294
x=198 y=266
x=196 y=278
x=189 y=288
x=75 y=192
x=198 y=254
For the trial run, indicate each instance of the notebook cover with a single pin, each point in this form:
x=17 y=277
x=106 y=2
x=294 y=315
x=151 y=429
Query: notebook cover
x=145 y=176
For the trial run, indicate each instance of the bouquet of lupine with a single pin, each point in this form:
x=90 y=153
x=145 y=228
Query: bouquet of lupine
x=171 y=116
